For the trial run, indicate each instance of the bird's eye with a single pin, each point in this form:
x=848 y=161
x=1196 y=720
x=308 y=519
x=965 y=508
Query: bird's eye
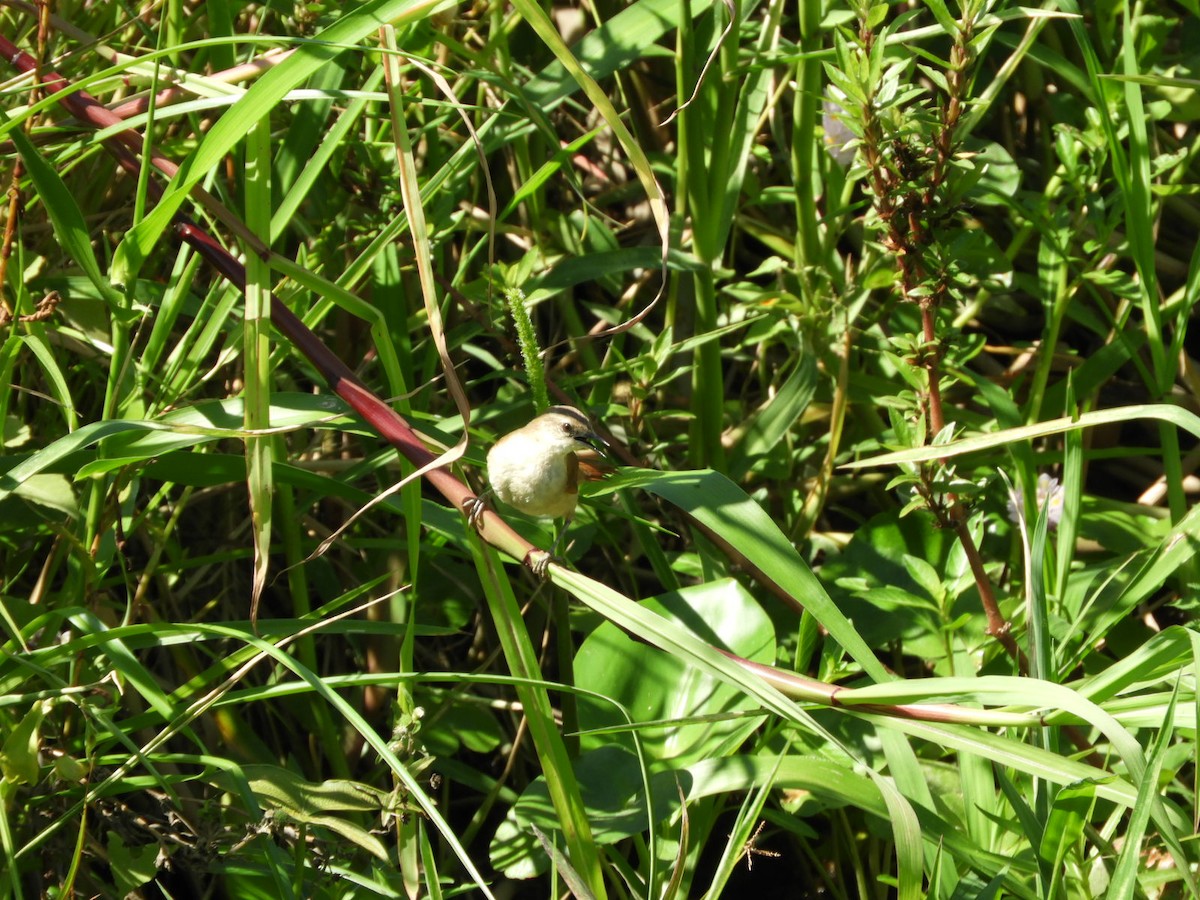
x=566 y=426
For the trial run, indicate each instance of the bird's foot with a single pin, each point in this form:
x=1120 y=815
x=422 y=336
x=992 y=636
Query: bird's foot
x=473 y=507
x=539 y=562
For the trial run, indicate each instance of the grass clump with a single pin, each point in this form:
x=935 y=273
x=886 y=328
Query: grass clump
x=883 y=309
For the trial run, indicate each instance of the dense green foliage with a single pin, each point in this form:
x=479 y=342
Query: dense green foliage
x=883 y=310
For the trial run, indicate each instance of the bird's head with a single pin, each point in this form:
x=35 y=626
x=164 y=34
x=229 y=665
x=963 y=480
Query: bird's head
x=566 y=429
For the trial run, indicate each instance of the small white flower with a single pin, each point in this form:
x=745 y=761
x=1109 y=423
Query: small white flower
x=1049 y=496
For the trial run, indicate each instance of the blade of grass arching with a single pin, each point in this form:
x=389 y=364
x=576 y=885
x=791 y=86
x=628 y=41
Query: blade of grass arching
x=1058 y=702
x=348 y=29
x=620 y=41
x=256 y=350
x=1162 y=412
x=377 y=743
x=721 y=505
x=679 y=642
x=539 y=714
x=125 y=664
x=1012 y=753
x=1124 y=881
x=55 y=377
x=684 y=645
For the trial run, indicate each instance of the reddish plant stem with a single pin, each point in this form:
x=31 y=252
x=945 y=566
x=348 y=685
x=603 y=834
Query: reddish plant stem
x=998 y=626
x=937 y=418
x=904 y=213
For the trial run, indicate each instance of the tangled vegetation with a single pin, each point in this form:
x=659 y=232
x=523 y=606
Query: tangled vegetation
x=881 y=308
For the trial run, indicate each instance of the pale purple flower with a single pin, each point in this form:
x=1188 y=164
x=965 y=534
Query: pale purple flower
x=839 y=139
x=1049 y=495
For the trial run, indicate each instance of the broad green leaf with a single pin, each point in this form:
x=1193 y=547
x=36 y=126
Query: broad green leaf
x=327 y=804
x=660 y=688
x=721 y=505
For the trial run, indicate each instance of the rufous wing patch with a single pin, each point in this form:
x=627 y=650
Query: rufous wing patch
x=572 y=474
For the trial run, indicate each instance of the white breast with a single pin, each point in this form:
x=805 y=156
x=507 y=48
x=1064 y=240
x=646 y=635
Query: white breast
x=526 y=477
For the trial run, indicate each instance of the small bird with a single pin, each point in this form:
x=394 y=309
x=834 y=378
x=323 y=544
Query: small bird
x=535 y=469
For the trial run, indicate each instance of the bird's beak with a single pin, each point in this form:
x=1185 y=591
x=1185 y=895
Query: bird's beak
x=593 y=440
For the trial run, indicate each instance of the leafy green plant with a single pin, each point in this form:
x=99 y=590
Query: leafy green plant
x=843 y=286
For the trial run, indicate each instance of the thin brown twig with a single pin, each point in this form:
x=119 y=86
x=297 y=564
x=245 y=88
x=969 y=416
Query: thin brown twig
x=905 y=215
